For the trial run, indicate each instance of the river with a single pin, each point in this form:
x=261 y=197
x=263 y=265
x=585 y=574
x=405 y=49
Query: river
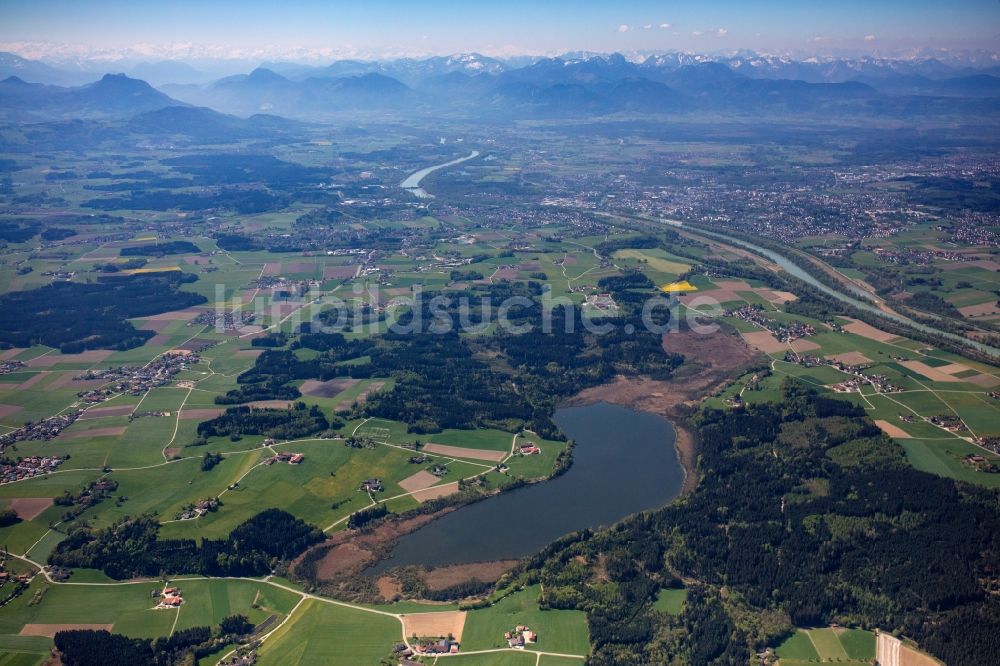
x=624 y=462
x=412 y=182
x=796 y=271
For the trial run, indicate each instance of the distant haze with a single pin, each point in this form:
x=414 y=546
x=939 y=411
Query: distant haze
x=95 y=35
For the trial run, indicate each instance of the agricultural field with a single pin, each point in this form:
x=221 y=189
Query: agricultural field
x=146 y=441
x=559 y=631
x=281 y=277
x=942 y=408
x=324 y=633
x=827 y=645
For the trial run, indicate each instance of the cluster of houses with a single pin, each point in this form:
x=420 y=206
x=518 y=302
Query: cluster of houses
x=59 y=276
x=784 y=332
x=244 y=656
x=602 y=302
x=980 y=463
x=990 y=443
x=28 y=467
x=224 y=321
x=949 y=422
x=137 y=380
x=372 y=486
x=286 y=457
x=170 y=597
x=153 y=413
x=437 y=646
x=881 y=383
x=6 y=576
x=199 y=508
x=529 y=449
x=43 y=430
x=7 y=367
x=809 y=361
x=521 y=636
x=923 y=257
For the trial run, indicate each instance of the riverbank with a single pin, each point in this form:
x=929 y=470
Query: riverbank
x=412 y=182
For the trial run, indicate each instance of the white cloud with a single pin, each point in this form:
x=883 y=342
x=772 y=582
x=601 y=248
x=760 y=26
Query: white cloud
x=648 y=26
x=721 y=32
x=665 y=26
x=870 y=38
x=624 y=28
x=697 y=33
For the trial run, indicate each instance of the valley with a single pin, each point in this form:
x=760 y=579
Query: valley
x=583 y=360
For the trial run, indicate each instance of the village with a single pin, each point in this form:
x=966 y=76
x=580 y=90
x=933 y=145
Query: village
x=136 y=380
x=25 y=468
x=7 y=367
x=44 y=430
x=880 y=383
x=922 y=257
x=224 y=321
x=754 y=314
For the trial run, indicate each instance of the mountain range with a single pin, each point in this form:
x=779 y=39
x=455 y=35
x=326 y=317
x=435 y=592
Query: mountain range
x=745 y=83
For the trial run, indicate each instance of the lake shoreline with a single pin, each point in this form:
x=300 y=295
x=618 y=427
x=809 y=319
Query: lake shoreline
x=685 y=443
x=711 y=362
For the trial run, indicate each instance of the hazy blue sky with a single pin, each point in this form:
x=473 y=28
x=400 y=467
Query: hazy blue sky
x=336 y=28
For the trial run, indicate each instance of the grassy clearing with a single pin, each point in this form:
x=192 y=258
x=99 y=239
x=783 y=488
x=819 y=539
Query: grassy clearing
x=670 y=601
x=944 y=458
x=330 y=635
x=654 y=258
x=208 y=601
x=797 y=647
x=330 y=473
x=854 y=647
x=827 y=644
x=558 y=630
x=858 y=644
x=130 y=608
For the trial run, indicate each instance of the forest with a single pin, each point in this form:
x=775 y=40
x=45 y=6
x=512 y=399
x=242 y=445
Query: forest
x=299 y=421
x=442 y=379
x=88 y=647
x=130 y=548
x=802 y=518
x=74 y=316
x=160 y=249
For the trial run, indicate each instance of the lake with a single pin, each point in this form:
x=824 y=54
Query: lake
x=624 y=462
